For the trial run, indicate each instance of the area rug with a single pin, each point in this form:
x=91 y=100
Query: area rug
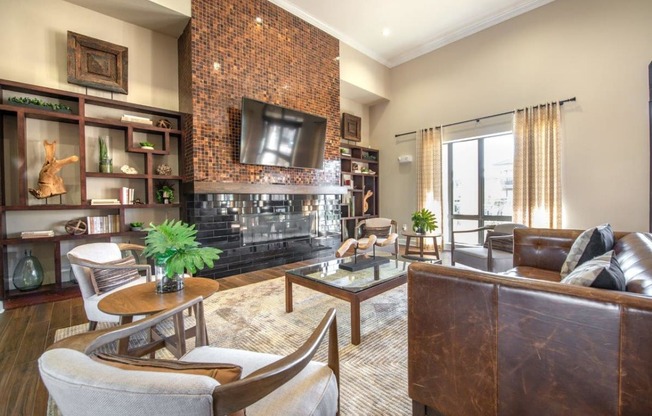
x=373 y=374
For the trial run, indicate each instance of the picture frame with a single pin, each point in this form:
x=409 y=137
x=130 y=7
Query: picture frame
x=97 y=64
x=351 y=127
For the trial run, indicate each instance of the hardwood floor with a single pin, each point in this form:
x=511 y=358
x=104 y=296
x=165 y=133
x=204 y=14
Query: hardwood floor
x=25 y=333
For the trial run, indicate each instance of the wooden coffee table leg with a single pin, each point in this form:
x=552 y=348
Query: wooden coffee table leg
x=288 y=295
x=355 y=321
x=123 y=344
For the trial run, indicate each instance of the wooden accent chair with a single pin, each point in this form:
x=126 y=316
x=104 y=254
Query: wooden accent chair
x=270 y=384
x=85 y=257
x=494 y=256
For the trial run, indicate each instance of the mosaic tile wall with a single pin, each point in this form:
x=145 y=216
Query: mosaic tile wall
x=282 y=60
x=218 y=224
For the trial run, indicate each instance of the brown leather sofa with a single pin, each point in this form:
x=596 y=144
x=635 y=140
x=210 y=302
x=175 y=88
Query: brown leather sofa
x=524 y=344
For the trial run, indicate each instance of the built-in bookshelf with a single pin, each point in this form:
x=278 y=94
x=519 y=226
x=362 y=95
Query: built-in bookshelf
x=360 y=174
x=95 y=206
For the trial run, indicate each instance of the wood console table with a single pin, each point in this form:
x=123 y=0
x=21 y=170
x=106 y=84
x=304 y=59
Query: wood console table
x=143 y=300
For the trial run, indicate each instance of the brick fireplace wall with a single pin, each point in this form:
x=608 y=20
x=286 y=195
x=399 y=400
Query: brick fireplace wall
x=224 y=55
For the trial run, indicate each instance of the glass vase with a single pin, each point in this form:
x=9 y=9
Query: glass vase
x=165 y=284
x=28 y=274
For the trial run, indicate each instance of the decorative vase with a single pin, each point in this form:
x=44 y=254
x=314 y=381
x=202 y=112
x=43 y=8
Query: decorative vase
x=165 y=284
x=106 y=165
x=419 y=230
x=28 y=274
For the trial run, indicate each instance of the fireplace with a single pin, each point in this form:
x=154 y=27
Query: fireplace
x=258 y=231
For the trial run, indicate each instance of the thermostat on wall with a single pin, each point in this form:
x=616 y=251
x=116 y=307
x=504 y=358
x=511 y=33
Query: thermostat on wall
x=405 y=159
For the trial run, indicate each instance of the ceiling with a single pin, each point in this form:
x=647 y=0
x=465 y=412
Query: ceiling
x=415 y=27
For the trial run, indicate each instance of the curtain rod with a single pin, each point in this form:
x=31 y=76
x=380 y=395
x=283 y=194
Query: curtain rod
x=482 y=118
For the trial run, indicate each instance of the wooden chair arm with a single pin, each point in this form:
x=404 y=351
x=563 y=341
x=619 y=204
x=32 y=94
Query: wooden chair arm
x=94 y=265
x=130 y=246
x=490 y=260
x=237 y=395
x=91 y=341
x=486 y=227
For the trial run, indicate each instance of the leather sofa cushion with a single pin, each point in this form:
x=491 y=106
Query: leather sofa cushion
x=533 y=273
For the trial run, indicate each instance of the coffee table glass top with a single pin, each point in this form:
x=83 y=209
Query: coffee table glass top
x=330 y=274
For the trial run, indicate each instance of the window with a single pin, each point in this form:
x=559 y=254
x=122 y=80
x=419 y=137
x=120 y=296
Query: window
x=478 y=183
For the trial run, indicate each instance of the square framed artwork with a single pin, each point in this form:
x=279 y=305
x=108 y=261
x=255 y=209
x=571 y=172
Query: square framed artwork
x=351 y=127
x=97 y=64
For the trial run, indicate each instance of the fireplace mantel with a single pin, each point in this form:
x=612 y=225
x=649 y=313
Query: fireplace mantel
x=263 y=188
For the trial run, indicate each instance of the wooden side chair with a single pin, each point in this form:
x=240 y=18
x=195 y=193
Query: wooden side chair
x=267 y=385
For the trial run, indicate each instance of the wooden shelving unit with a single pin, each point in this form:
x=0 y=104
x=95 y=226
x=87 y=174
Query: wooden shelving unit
x=23 y=130
x=360 y=174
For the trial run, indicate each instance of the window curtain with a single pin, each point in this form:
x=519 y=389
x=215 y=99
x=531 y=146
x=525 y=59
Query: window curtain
x=429 y=175
x=537 y=166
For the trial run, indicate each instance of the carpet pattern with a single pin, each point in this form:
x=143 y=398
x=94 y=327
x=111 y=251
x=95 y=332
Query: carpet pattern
x=373 y=374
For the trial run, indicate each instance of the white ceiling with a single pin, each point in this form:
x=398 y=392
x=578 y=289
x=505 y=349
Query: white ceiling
x=417 y=26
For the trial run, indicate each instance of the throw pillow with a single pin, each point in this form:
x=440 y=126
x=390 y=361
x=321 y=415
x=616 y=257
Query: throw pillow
x=502 y=244
x=379 y=232
x=603 y=272
x=222 y=373
x=590 y=244
x=105 y=280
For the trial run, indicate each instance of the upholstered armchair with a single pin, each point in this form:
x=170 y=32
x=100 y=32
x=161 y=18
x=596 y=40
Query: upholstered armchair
x=496 y=255
x=385 y=230
x=90 y=261
x=264 y=384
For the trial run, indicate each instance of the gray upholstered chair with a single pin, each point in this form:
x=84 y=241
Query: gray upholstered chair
x=86 y=257
x=270 y=384
x=495 y=255
x=385 y=230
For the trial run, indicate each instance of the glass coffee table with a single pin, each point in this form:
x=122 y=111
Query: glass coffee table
x=353 y=287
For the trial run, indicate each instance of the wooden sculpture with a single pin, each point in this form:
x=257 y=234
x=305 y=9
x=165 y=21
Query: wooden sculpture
x=49 y=183
x=365 y=204
x=352 y=242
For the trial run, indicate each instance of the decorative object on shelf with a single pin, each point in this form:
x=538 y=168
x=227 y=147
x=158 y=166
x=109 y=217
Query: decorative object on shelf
x=28 y=274
x=106 y=163
x=355 y=168
x=164 y=193
x=345 y=151
x=128 y=170
x=136 y=226
x=129 y=118
x=163 y=170
x=423 y=221
x=164 y=123
x=147 y=145
x=97 y=64
x=369 y=156
x=49 y=183
x=40 y=104
x=365 y=204
x=173 y=247
x=351 y=127
x=76 y=227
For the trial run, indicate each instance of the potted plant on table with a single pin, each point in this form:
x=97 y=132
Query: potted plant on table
x=173 y=247
x=424 y=221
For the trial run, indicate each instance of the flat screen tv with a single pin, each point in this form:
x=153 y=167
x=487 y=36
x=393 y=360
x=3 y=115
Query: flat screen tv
x=276 y=136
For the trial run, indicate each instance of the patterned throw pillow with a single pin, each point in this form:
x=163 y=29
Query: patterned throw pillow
x=502 y=244
x=105 y=280
x=603 y=272
x=380 y=232
x=590 y=244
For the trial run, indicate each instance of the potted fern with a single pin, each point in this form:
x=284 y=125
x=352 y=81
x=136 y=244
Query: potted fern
x=173 y=247
x=424 y=221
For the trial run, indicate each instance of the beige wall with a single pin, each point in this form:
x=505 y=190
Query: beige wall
x=33 y=50
x=596 y=50
x=363 y=72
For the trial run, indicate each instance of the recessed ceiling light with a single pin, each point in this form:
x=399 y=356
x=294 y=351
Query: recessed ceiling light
x=259 y=20
x=387 y=31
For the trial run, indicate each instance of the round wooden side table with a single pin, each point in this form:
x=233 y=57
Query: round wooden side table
x=418 y=252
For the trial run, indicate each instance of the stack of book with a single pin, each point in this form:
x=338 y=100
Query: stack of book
x=102 y=224
x=106 y=201
x=136 y=119
x=37 y=234
x=126 y=196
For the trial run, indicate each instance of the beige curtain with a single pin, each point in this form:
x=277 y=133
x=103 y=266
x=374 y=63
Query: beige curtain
x=537 y=166
x=429 y=187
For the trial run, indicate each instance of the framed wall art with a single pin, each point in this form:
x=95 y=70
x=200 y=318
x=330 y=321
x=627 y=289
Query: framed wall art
x=97 y=64
x=351 y=127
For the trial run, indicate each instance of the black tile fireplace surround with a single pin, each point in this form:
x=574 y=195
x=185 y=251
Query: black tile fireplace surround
x=296 y=227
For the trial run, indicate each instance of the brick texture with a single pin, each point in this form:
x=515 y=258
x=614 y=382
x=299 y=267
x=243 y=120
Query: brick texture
x=282 y=60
